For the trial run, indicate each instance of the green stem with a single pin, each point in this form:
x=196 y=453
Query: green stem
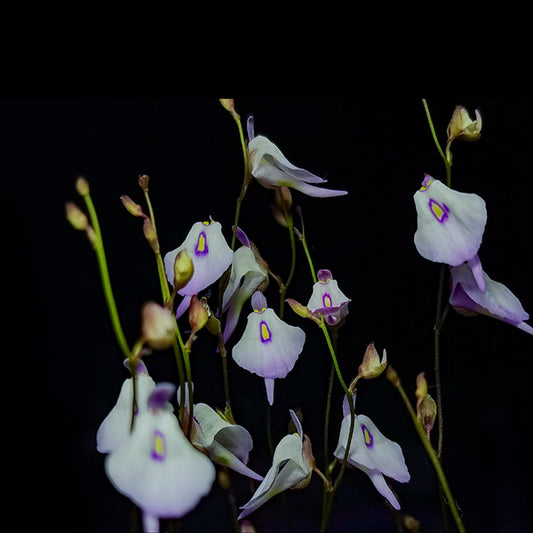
x=283 y=291
x=324 y=329
x=393 y=378
x=106 y=282
x=245 y=182
x=438 y=325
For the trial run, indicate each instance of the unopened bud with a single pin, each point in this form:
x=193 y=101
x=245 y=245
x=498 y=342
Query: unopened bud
x=302 y=310
x=462 y=127
x=82 y=186
x=426 y=408
x=151 y=234
x=224 y=479
x=132 y=207
x=76 y=216
x=199 y=313
x=372 y=367
x=144 y=181
x=392 y=376
x=229 y=105
x=183 y=269
x=158 y=326
x=282 y=206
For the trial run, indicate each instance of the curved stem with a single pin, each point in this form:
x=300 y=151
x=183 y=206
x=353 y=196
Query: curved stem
x=106 y=281
x=394 y=379
x=285 y=286
x=432 y=128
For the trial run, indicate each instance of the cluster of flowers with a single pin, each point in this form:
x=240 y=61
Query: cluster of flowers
x=450 y=230
x=152 y=461
x=165 y=463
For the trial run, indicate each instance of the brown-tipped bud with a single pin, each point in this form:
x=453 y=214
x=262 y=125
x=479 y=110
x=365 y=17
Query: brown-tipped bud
x=426 y=408
x=224 y=479
x=144 y=182
x=82 y=186
x=158 y=326
x=76 y=216
x=199 y=313
x=151 y=235
x=183 y=270
x=282 y=206
x=462 y=127
x=372 y=367
x=229 y=105
x=302 y=310
x=392 y=376
x=421 y=387
x=132 y=207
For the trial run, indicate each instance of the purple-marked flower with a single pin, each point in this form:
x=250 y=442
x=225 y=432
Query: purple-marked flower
x=245 y=278
x=450 y=223
x=496 y=301
x=225 y=443
x=268 y=347
x=292 y=466
x=373 y=453
x=157 y=467
x=327 y=299
x=210 y=254
x=271 y=168
x=115 y=428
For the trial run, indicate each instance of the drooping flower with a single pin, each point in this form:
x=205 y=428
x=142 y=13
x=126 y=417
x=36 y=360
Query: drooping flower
x=496 y=300
x=115 y=428
x=210 y=254
x=327 y=299
x=462 y=127
x=225 y=443
x=246 y=276
x=450 y=224
x=292 y=466
x=269 y=347
x=157 y=467
x=272 y=169
x=373 y=453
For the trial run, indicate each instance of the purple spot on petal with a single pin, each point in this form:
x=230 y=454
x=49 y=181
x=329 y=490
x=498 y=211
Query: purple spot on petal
x=367 y=436
x=201 y=247
x=264 y=332
x=440 y=212
x=158 y=451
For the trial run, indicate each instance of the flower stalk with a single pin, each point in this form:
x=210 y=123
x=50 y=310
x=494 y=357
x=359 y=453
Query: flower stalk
x=393 y=377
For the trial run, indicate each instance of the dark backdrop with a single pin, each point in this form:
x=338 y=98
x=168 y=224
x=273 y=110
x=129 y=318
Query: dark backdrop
x=63 y=367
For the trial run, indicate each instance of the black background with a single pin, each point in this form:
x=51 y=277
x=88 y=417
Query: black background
x=63 y=367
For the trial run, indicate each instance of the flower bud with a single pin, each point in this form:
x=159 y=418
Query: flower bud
x=462 y=127
x=158 y=325
x=229 y=105
x=76 y=216
x=392 y=376
x=302 y=310
x=183 y=269
x=426 y=408
x=132 y=207
x=144 y=181
x=82 y=186
x=372 y=367
x=199 y=313
x=282 y=206
x=151 y=234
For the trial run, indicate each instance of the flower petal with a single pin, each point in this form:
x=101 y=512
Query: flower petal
x=496 y=301
x=158 y=469
x=209 y=252
x=450 y=223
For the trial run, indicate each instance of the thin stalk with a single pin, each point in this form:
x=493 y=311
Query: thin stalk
x=395 y=380
x=245 y=182
x=106 y=282
x=285 y=286
x=438 y=325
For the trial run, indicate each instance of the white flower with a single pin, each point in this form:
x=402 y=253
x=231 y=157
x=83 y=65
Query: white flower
x=157 y=467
